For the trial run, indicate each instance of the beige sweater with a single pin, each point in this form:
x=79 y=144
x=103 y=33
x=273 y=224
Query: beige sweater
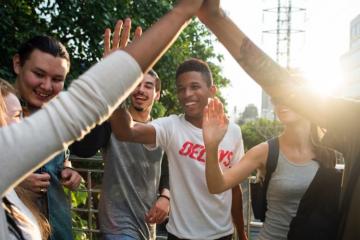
x=89 y=100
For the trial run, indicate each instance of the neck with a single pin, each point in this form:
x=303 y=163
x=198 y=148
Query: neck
x=140 y=116
x=197 y=122
x=297 y=135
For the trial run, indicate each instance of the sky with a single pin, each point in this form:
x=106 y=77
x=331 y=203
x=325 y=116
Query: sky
x=318 y=51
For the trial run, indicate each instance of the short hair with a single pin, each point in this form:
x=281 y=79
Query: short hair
x=196 y=65
x=45 y=44
x=152 y=73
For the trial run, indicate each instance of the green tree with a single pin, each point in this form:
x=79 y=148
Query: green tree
x=258 y=131
x=80 y=25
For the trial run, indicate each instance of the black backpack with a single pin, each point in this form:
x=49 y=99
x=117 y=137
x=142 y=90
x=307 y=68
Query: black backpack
x=258 y=190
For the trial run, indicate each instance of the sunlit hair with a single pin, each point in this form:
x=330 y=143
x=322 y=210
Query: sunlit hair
x=196 y=65
x=29 y=199
x=6 y=88
x=45 y=44
x=324 y=155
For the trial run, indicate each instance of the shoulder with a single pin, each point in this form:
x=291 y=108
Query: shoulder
x=259 y=153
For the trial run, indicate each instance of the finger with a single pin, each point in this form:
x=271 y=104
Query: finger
x=42 y=184
x=117 y=31
x=138 y=33
x=211 y=109
x=219 y=107
x=42 y=177
x=125 y=33
x=107 y=35
x=206 y=114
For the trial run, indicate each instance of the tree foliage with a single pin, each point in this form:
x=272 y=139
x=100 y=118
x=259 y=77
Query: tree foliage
x=258 y=131
x=80 y=25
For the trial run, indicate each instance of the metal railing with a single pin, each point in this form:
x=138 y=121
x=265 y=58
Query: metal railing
x=88 y=211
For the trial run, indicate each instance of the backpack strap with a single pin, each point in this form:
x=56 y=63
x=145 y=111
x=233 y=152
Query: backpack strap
x=272 y=160
x=12 y=225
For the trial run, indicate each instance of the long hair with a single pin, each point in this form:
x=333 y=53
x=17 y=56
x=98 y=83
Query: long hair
x=2 y=111
x=324 y=155
x=29 y=199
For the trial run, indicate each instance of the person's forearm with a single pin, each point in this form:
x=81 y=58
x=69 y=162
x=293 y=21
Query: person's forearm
x=121 y=124
x=277 y=81
x=214 y=175
x=92 y=142
x=237 y=212
x=164 y=178
x=253 y=60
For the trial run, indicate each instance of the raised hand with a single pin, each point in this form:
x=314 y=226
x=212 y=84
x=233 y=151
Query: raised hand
x=215 y=123
x=188 y=7
x=120 y=36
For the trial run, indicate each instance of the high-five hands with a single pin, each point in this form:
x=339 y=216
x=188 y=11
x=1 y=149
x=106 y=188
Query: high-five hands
x=215 y=123
x=209 y=10
x=188 y=7
x=120 y=36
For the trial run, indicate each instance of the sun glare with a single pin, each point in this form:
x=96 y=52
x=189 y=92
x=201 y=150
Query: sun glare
x=323 y=72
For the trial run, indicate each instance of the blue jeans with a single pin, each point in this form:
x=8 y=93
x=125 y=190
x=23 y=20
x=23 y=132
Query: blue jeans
x=117 y=237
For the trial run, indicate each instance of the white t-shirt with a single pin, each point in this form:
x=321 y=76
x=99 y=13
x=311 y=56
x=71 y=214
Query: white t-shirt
x=195 y=213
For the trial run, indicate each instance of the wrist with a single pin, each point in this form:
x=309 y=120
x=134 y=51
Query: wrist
x=213 y=17
x=184 y=11
x=164 y=196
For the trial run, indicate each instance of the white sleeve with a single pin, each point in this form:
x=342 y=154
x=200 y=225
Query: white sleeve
x=163 y=128
x=89 y=100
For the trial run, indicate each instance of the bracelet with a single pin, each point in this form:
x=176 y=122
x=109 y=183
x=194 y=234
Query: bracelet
x=164 y=196
x=69 y=168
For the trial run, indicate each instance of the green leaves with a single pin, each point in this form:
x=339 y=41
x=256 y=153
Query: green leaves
x=80 y=26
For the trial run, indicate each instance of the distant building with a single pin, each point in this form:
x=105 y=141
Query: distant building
x=351 y=62
x=267 y=110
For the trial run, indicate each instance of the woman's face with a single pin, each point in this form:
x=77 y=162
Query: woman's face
x=13 y=109
x=286 y=115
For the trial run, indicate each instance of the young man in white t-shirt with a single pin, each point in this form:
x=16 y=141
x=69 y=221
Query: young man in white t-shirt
x=195 y=213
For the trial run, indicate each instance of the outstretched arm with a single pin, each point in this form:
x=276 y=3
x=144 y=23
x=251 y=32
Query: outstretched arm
x=98 y=92
x=214 y=129
x=275 y=80
x=161 y=35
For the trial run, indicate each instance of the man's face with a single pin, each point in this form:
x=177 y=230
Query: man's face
x=144 y=95
x=193 y=94
x=41 y=77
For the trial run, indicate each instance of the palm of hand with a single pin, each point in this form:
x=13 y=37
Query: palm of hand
x=215 y=123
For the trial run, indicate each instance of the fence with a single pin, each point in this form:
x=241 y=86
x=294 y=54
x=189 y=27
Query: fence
x=85 y=211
